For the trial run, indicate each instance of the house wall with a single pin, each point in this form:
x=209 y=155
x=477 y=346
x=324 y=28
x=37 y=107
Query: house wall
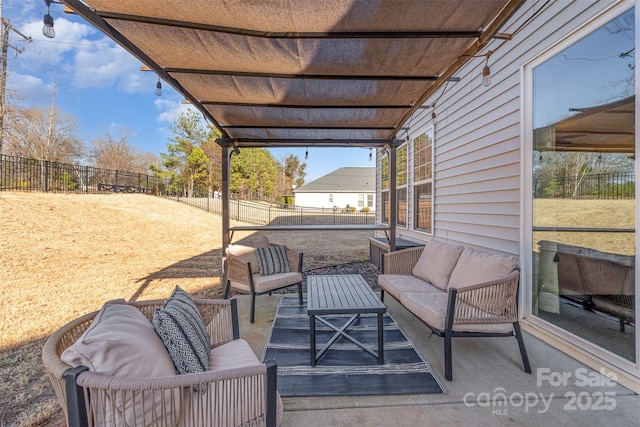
x=482 y=158
x=321 y=200
x=477 y=148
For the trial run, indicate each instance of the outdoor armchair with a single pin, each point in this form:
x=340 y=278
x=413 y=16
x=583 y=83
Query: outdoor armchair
x=235 y=390
x=254 y=266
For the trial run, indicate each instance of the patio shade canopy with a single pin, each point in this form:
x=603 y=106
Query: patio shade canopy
x=306 y=72
x=606 y=128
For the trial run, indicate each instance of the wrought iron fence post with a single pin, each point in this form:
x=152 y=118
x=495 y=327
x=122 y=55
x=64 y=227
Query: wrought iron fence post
x=46 y=176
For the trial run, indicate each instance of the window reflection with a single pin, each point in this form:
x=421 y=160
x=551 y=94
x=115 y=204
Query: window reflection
x=584 y=187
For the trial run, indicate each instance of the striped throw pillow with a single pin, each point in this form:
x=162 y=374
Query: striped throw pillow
x=272 y=260
x=181 y=328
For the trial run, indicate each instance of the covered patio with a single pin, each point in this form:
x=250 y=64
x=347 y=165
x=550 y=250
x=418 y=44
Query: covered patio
x=354 y=74
x=490 y=388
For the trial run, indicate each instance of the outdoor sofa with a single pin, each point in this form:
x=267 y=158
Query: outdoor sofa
x=456 y=291
x=110 y=368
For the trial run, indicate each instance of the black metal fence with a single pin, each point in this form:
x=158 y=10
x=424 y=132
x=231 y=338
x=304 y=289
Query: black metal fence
x=23 y=174
x=271 y=213
x=621 y=185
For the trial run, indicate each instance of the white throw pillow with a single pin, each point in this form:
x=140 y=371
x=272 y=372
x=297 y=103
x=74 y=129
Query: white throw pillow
x=476 y=267
x=437 y=262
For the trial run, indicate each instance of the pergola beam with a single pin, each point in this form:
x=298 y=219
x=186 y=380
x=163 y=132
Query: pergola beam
x=333 y=143
x=294 y=34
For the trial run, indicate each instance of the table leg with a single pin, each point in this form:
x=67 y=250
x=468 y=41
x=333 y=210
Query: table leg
x=380 y=340
x=312 y=338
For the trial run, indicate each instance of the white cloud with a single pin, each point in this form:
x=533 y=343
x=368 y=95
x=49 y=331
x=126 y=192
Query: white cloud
x=22 y=87
x=169 y=110
x=81 y=55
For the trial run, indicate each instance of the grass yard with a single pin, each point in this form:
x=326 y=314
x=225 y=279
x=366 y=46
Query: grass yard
x=587 y=214
x=64 y=255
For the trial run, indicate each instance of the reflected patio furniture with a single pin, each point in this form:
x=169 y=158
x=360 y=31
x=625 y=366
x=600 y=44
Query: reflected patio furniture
x=599 y=280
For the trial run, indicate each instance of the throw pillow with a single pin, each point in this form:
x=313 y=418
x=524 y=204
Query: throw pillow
x=272 y=260
x=181 y=328
x=476 y=266
x=121 y=342
x=436 y=263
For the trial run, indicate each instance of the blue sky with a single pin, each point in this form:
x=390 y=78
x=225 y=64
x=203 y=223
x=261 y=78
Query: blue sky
x=102 y=87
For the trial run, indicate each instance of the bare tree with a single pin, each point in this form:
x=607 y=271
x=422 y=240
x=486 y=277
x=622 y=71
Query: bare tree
x=43 y=135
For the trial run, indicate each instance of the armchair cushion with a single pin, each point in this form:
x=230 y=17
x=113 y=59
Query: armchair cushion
x=264 y=284
x=436 y=263
x=245 y=250
x=272 y=260
x=477 y=267
x=182 y=331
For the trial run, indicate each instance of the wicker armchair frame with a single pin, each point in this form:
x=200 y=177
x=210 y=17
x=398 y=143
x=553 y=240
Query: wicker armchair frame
x=240 y=271
x=238 y=396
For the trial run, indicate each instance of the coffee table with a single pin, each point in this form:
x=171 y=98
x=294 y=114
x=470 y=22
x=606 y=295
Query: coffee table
x=342 y=294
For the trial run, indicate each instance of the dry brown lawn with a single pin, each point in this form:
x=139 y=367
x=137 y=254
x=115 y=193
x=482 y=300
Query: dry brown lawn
x=64 y=255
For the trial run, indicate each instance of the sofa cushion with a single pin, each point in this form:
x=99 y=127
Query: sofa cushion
x=181 y=329
x=432 y=309
x=395 y=284
x=476 y=267
x=232 y=355
x=267 y=283
x=121 y=342
x=436 y=263
x=272 y=260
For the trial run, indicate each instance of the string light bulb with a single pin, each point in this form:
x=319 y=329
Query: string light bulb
x=47 y=28
x=486 y=73
x=370 y=154
x=433 y=117
x=306 y=153
x=159 y=87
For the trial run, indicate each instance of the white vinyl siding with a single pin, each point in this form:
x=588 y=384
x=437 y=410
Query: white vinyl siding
x=477 y=169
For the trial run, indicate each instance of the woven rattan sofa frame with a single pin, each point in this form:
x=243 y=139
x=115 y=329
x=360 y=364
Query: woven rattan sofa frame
x=402 y=262
x=241 y=271
x=221 y=320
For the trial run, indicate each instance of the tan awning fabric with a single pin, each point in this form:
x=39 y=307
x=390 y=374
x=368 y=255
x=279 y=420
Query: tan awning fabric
x=273 y=72
x=607 y=128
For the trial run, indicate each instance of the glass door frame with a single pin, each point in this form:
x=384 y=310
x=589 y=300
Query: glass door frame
x=594 y=356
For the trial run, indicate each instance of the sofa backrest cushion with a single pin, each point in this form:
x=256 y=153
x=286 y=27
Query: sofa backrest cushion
x=436 y=263
x=121 y=342
x=476 y=267
x=245 y=249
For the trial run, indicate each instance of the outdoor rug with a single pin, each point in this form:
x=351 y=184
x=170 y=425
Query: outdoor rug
x=345 y=369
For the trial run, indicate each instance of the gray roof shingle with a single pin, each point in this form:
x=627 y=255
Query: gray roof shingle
x=343 y=180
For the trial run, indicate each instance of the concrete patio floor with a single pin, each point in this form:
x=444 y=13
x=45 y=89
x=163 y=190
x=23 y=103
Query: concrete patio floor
x=485 y=370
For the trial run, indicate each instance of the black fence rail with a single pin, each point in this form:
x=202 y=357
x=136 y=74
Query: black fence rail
x=621 y=185
x=271 y=213
x=23 y=174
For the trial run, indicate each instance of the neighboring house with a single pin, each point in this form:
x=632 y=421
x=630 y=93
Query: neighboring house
x=353 y=186
x=562 y=89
